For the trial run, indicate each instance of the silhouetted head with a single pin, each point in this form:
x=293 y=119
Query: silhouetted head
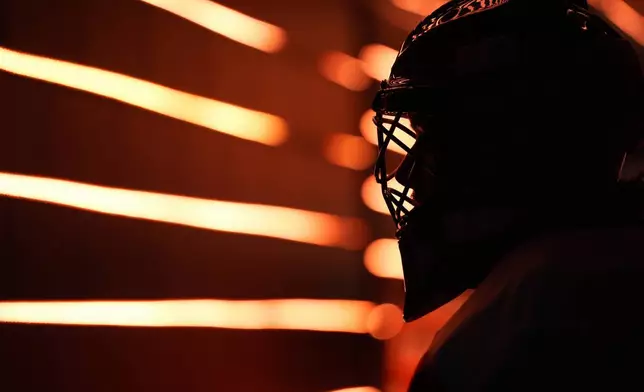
x=512 y=105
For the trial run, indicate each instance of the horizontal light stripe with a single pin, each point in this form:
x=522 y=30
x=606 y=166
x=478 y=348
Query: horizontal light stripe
x=218 y=116
x=251 y=219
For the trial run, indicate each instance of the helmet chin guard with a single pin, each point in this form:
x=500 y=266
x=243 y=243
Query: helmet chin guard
x=425 y=277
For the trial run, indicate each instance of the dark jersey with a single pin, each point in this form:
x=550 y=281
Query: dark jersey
x=562 y=313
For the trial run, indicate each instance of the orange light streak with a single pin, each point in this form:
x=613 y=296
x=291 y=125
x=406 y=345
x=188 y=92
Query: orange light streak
x=385 y=321
x=349 y=151
x=251 y=219
x=419 y=7
x=218 y=116
x=382 y=259
x=357 y=389
x=377 y=60
x=374 y=61
x=623 y=16
x=344 y=70
x=287 y=314
x=227 y=22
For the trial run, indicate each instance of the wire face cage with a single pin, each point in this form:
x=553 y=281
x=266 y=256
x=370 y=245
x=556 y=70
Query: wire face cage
x=396 y=139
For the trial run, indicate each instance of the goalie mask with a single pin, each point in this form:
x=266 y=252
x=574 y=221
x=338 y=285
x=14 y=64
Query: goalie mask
x=467 y=66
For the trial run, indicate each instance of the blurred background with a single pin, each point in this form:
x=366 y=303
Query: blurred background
x=186 y=196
